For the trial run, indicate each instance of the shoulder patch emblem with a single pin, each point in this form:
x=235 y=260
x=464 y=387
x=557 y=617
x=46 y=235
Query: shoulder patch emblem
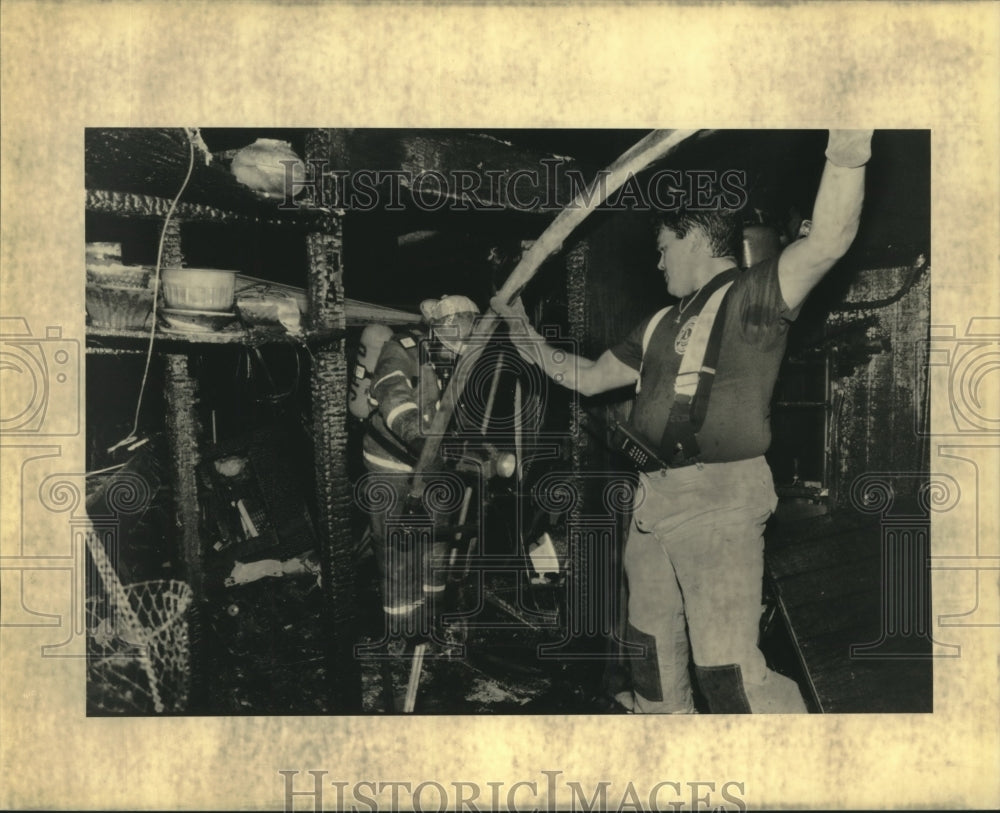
x=407 y=342
x=684 y=335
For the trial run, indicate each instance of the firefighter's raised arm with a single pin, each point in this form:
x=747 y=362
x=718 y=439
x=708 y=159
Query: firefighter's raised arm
x=835 y=219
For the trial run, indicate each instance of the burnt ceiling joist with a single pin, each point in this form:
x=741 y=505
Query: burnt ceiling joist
x=522 y=176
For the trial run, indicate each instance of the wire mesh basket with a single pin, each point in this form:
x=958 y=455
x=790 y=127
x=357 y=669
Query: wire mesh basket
x=138 y=648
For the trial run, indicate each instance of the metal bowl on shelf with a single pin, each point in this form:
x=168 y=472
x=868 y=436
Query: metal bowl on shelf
x=203 y=289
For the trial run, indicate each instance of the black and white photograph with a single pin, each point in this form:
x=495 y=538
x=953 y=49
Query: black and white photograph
x=458 y=405
x=404 y=421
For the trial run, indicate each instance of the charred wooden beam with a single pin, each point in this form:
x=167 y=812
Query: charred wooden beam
x=577 y=313
x=578 y=317
x=326 y=287
x=141 y=205
x=329 y=382
x=125 y=340
x=183 y=429
x=135 y=204
x=172 y=255
x=433 y=170
x=155 y=162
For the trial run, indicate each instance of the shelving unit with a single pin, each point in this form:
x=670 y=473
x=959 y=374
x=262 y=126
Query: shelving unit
x=134 y=174
x=129 y=338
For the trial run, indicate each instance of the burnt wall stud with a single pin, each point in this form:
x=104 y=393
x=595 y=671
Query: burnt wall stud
x=329 y=386
x=172 y=256
x=181 y=394
x=577 y=311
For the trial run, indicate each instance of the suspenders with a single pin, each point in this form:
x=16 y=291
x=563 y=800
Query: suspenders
x=695 y=375
x=650 y=328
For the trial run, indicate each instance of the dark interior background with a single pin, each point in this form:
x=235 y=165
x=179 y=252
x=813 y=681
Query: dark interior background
x=851 y=397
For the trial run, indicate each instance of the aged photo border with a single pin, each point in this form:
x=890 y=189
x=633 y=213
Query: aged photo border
x=67 y=66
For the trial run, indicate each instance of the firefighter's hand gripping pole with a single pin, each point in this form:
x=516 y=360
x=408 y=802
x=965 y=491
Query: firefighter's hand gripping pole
x=642 y=154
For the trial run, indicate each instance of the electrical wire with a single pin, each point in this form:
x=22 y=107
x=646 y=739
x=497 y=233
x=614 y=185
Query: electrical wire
x=917 y=270
x=193 y=135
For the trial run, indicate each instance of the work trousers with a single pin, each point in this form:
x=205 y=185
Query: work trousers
x=695 y=554
x=408 y=550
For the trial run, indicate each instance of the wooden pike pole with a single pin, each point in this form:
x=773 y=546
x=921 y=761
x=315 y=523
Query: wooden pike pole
x=642 y=154
x=410 y=702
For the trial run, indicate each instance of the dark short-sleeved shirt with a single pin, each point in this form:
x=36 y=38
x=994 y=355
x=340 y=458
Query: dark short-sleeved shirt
x=737 y=424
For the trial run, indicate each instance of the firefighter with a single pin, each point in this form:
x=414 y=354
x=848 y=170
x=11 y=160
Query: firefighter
x=412 y=371
x=694 y=557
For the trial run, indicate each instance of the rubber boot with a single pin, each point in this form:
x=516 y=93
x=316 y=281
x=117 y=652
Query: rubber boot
x=722 y=687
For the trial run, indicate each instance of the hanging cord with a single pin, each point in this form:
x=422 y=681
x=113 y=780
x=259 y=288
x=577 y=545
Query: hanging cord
x=193 y=136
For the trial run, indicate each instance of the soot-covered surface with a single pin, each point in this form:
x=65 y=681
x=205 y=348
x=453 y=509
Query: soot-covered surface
x=262 y=651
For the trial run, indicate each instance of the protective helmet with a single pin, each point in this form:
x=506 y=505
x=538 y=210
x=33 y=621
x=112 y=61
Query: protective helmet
x=438 y=310
x=451 y=319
